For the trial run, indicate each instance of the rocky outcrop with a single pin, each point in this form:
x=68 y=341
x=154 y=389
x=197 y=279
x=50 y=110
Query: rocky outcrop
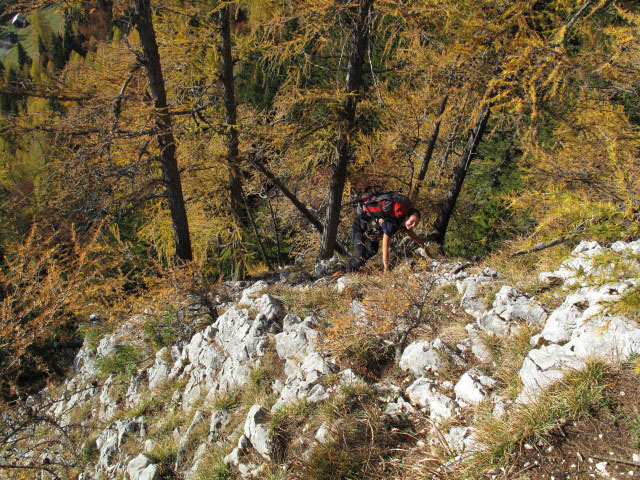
x=581 y=328
x=509 y=308
x=220 y=358
x=428 y=356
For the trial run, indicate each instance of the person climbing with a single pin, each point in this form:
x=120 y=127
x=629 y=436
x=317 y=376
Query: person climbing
x=379 y=217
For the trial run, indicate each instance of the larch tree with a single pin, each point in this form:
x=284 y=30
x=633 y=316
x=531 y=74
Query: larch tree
x=238 y=207
x=166 y=142
x=347 y=123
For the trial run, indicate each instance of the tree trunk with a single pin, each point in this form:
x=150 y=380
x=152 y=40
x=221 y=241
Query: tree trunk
x=166 y=141
x=274 y=221
x=360 y=39
x=430 y=149
x=238 y=208
x=449 y=202
x=452 y=136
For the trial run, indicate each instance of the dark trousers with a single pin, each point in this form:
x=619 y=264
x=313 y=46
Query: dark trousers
x=363 y=246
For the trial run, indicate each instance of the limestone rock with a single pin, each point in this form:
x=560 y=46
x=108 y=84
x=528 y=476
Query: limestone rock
x=471 y=302
x=219 y=420
x=249 y=294
x=256 y=431
x=473 y=387
x=110 y=440
x=459 y=438
x=424 y=356
x=304 y=382
x=423 y=394
x=269 y=307
x=198 y=457
x=160 y=370
x=343 y=283
x=297 y=340
x=142 y=468
x=478 y=347
x=510 y=307
x=543 y=366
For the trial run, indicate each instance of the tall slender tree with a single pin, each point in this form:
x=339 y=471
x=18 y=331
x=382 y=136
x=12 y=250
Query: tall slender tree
x=343 y=151
x=230 y=107
x=166 y=142
x=449 y=202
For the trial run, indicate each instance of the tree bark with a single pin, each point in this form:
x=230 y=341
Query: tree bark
x=430 y=149
x=166 y=141
x=238 y=208
x=449 y=202
x=360 y=40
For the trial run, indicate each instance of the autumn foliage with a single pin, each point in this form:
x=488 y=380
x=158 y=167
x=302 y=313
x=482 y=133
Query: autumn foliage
x=87 y=209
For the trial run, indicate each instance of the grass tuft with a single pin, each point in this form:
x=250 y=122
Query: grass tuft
x=580 y=394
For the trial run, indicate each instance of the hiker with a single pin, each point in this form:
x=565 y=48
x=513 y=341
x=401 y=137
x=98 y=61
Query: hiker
x=379 y=217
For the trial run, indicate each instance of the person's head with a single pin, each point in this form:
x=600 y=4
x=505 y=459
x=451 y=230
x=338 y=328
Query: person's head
x=413 y=219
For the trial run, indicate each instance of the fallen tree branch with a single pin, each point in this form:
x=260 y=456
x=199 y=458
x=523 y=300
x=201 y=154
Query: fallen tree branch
x=541 y=246
x=291 y=196
x=552 y=243
x=616 y=460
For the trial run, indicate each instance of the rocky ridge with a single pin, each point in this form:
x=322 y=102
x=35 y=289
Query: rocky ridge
x=221 y=358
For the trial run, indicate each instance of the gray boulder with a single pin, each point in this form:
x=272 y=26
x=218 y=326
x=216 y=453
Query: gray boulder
x=473 y=387
x=142 y=468
x=460 y=439
x=256 y=431
x=160 y=370
x=478 y=347
x=471 y=302
x=269 y=307
x=542 y=367
x=219 y=420
x=510 y=307
x=579 y=307
x=249 y=294
x=427 y=356
x=297 y=340
x=423 y=394
x=305 y=381
x=343 y=283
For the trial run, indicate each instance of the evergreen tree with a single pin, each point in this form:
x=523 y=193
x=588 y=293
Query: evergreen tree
x=23 y=57
x=14 y=97
x=43 y=52
x=57 y=52
x=68 y=41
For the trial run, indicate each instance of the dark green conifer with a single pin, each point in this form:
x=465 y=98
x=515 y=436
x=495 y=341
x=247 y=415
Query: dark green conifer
x=57 y=52
x=23 y=56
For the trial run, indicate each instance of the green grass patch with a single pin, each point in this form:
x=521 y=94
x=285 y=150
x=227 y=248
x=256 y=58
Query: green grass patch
x=27 y=36
x=124 y=362
x=163 y=330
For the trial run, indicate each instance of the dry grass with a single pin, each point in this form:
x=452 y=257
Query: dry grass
x=500 y=439
x=508 y=354
x=359 y=442
x=523 y=271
